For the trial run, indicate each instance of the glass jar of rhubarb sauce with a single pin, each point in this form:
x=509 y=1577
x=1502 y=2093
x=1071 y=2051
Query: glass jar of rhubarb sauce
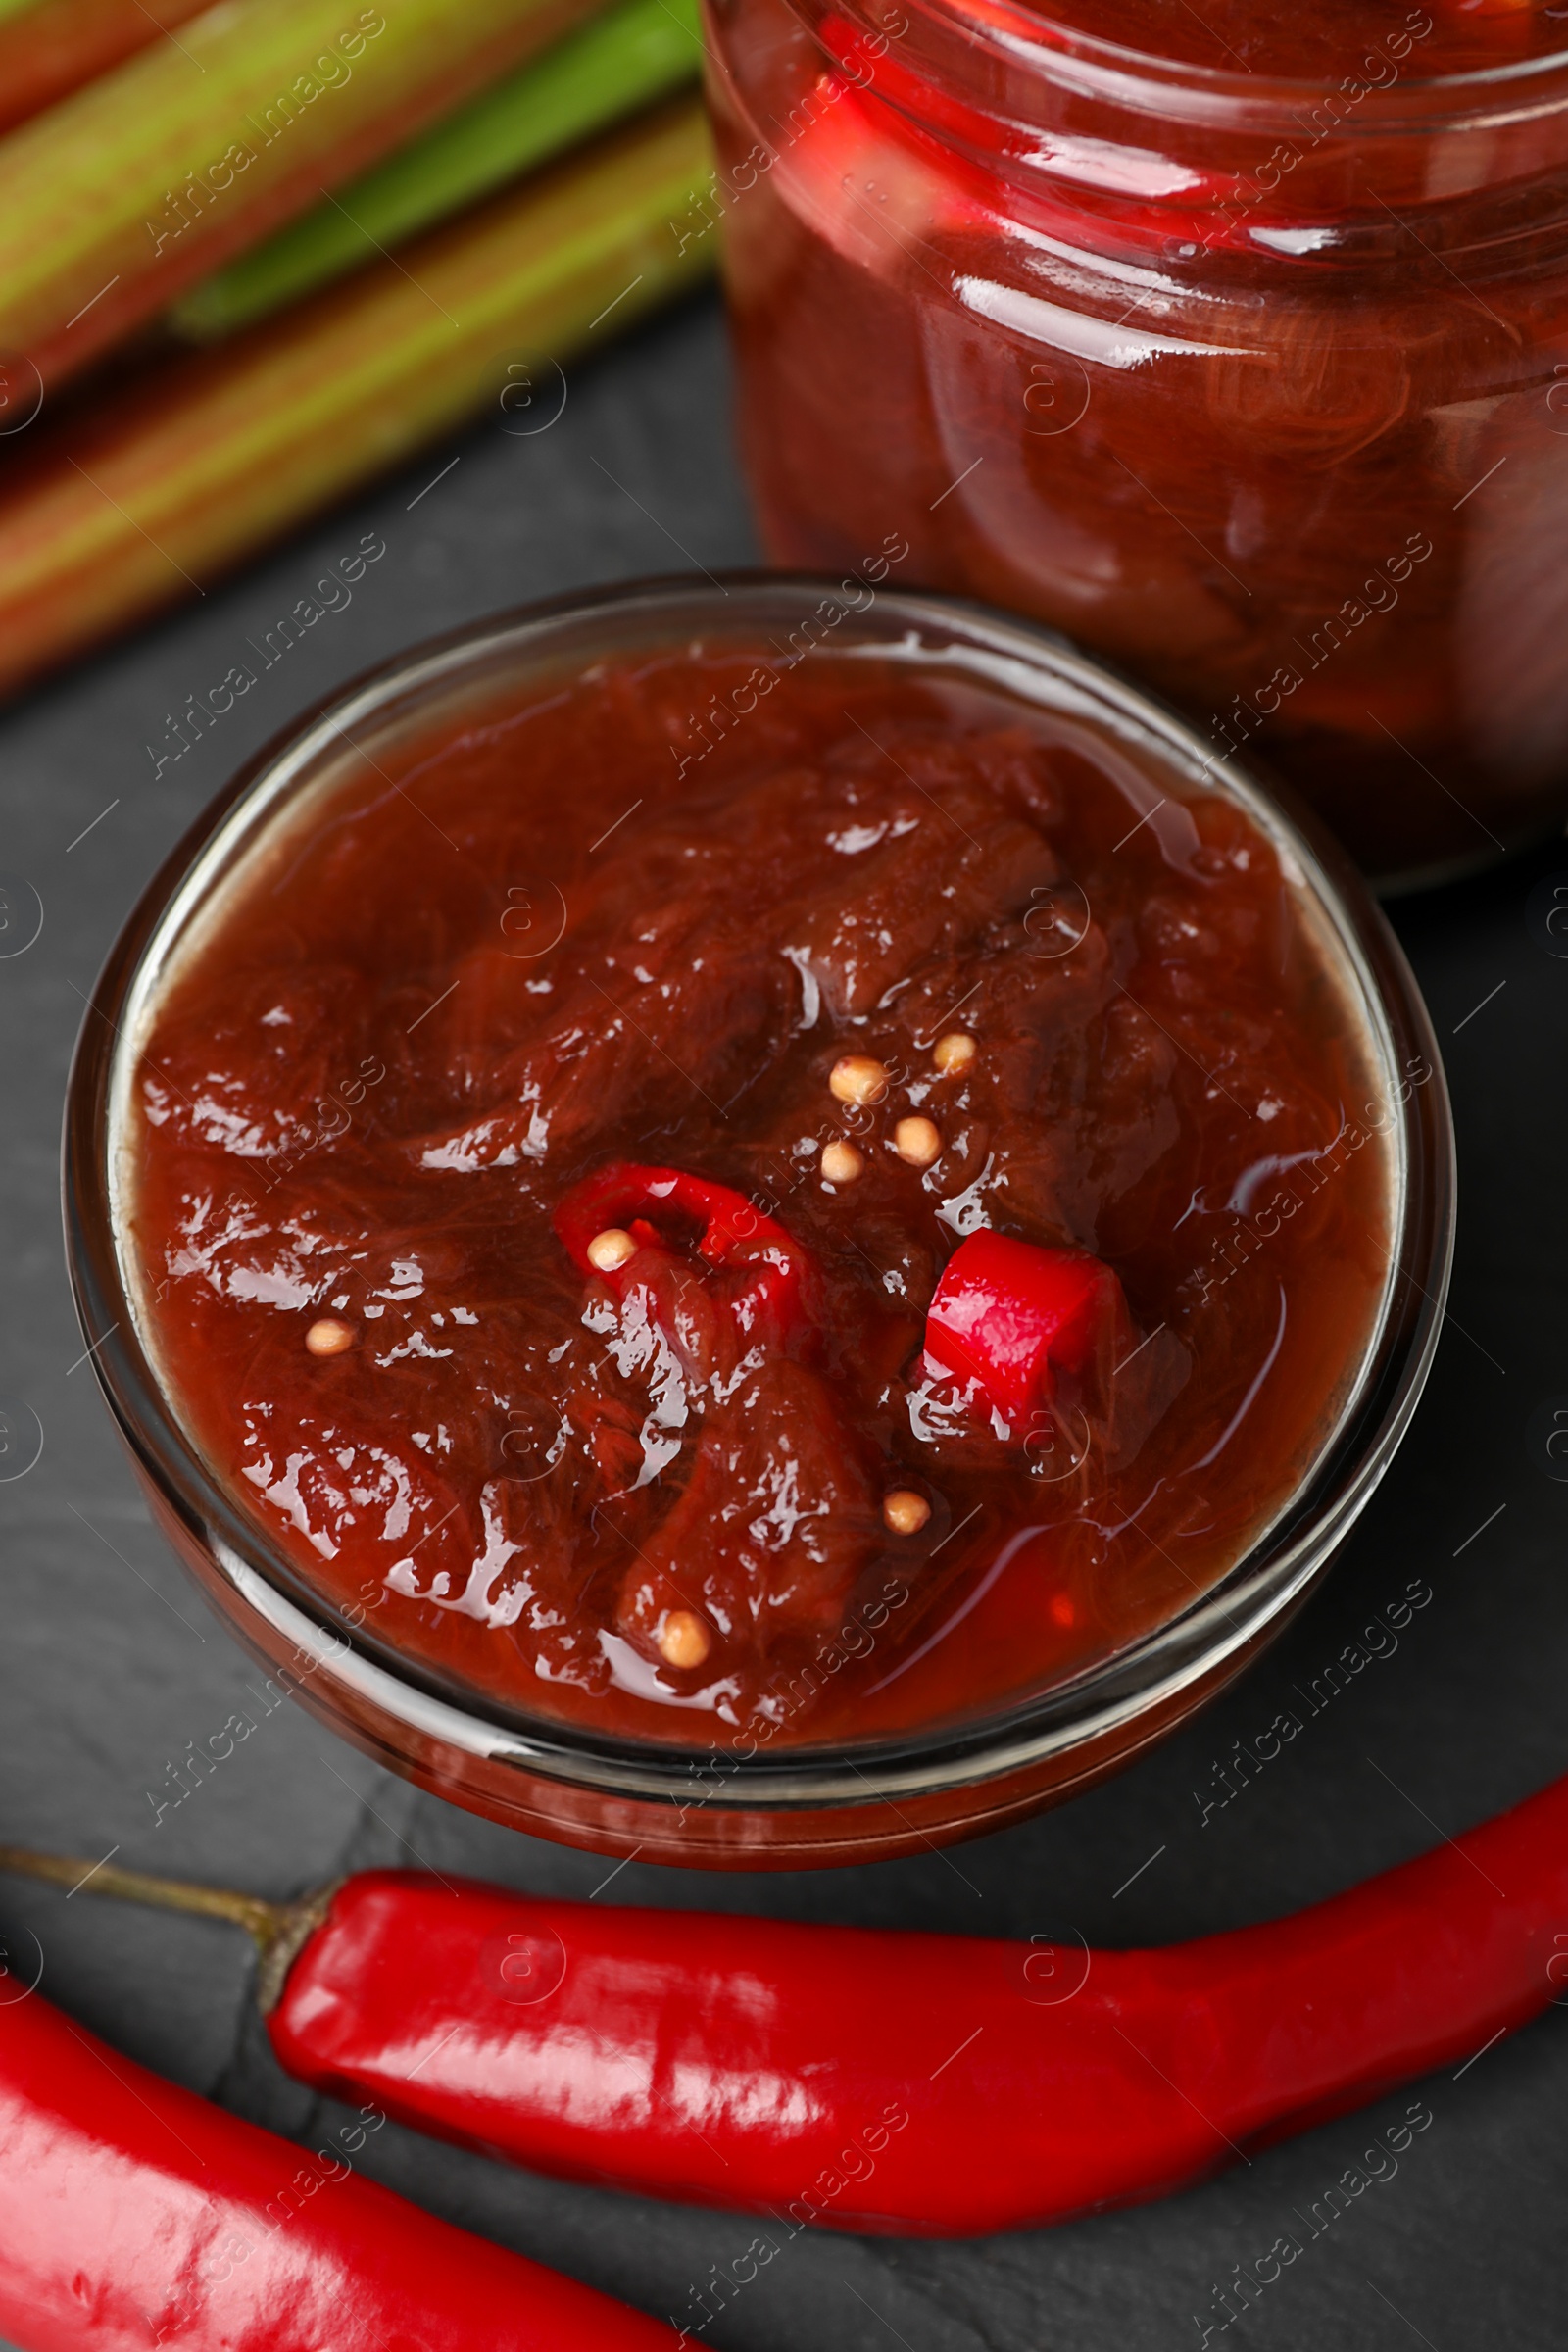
x=1232 y=341
x=759 y=1223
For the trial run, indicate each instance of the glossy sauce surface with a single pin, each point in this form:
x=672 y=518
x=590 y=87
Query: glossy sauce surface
x=639 y=917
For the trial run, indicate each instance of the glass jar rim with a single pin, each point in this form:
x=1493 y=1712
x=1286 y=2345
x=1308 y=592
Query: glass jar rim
x=1133 y=80
x=1247 y=1601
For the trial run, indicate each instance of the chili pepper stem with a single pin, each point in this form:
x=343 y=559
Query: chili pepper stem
x=278 y=1931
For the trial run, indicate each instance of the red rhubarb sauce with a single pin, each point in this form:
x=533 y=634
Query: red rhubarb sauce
x=1261 y=401
x=1332 y=39
x=586 y=966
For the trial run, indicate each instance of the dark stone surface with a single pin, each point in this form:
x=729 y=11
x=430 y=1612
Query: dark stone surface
x=110 y=1664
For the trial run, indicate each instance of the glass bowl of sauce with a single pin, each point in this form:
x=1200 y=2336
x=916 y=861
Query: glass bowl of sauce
x=763 y=1222
x=1227 y=340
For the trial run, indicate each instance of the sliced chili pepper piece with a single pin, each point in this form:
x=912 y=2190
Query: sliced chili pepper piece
x=733 y=1231
x=1008 y=1315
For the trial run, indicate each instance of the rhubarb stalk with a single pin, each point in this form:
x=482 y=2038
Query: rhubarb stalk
x=115 y=202
x=625 y=59
x=214 y=456
x=49 y=48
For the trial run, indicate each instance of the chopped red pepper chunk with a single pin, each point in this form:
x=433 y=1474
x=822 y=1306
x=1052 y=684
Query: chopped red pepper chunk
x=1010 y=1314
x=733 y=1233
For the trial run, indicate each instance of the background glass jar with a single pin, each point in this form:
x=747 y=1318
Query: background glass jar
x=1257 y=386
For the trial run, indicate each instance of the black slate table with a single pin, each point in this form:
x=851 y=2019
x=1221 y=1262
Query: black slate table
x=110 y=1664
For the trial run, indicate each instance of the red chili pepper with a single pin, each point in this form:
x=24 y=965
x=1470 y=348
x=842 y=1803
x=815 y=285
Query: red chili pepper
x=934 y=2085
x=646 y=1201
x=1008 y=1314
x=134 y=2215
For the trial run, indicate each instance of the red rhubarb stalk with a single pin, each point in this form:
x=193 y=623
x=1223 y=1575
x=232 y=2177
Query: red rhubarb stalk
x=208 y=459
x=51 y=47
x=116 y=200
x=631 y=54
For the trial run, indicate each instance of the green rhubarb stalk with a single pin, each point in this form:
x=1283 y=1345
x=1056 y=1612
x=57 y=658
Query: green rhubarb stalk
x=221 y=451
x=116 y=201
x=625 y=59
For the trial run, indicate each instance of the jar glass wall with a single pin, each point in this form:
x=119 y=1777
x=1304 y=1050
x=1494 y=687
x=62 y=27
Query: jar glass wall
x=1258 y=387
